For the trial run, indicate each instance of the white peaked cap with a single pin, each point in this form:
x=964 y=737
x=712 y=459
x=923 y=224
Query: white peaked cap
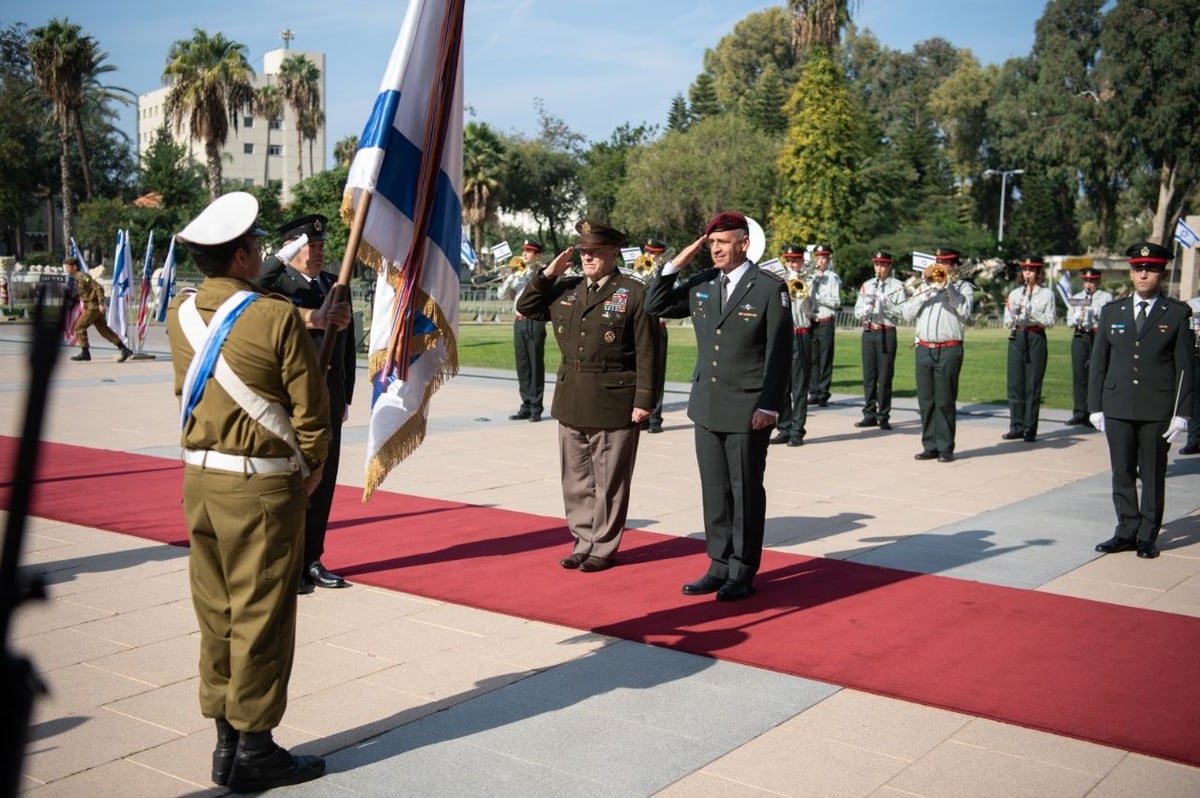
x=226 y=218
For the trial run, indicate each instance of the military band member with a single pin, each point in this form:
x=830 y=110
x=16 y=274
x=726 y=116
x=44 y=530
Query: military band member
x=529 y=338
x=1083 y=316
x=942 y=310
x=605 y=387
x=743 y=323
x=657 y=249
x=793 y=415
x=1140 y=394
x=1193 y=438
x=91 y=296
x=1028 y=312
x=879 y=308
x=826 y=291
x=255 y=432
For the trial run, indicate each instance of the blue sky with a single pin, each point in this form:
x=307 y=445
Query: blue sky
x=594 y=65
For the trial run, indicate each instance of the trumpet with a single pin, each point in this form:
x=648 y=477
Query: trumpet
x=644 y=265
x=937 y=274
x=797 y=288
x=517 y=264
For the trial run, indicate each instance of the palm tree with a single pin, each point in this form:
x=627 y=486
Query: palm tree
x=61 y=58
x=343 y=151
x=300 y=86
x=483 y=162
x=818 y=22
x=310 y=124
x=268 y=105
x=211 y=85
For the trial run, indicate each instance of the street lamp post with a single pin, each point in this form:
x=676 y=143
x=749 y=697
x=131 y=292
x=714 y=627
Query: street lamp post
x=1004 y=173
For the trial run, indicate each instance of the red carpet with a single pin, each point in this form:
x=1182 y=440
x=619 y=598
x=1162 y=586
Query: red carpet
x=1114 y=675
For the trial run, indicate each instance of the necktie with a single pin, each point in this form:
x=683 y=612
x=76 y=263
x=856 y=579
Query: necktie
x=592 y=289
x=724 y=292
x=1141 y=316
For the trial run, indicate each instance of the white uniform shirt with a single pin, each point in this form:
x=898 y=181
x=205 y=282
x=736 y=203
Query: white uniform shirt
x=941 y=314
x=825 y=288
x=881 y=302
x=1036 y=309
x=1087 y=316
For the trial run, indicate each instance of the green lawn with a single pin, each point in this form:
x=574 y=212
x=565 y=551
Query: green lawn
x=983 y=374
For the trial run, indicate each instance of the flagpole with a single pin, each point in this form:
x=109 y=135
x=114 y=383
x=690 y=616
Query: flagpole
x=341 y=289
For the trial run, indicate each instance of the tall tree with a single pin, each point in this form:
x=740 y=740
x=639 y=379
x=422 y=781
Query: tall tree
x=28 y=166
x=310 y=128
x=60 y=57
x=760 y=41
x=703 y=97
x=96 y=98
x=300 y=87
x=602 y=177
x=211 y=83
x=344 y=149
x=680 y=116
x=268 y=105
x=763 y=104
x=484 y=154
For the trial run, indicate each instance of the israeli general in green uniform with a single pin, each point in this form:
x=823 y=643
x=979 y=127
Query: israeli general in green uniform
x=605 y=387
x=255 y=415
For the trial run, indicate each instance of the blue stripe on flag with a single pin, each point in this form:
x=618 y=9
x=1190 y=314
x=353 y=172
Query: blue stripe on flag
x=375 y=132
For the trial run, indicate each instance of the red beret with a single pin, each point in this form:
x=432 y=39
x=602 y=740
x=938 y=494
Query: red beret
x=726 y=220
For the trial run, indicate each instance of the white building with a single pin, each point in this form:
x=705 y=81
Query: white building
x=259 y=149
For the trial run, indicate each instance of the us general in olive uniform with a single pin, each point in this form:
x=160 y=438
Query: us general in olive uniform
x=605 y=386
x=245 y=488
x=91 y=294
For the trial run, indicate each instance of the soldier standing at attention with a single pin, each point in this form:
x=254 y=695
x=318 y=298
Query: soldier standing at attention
x=657 y=249
x=1029 y=312
x=1083 y=315
x=529 y=338
x=941 y=309
x=878 y=307
x=91 y=294
x=255 y=431
x=605 y=387
x=826 y=291
x=304 y=281
x=793 y=415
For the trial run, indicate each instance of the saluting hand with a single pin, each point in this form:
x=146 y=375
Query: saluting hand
x=684 y=257
x=560 y=263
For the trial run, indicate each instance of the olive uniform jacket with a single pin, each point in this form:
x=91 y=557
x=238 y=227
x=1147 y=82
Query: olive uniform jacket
x=743 y=353
x=90 y=292
x=280 y=278
x=607 y=344
x=1145 y=377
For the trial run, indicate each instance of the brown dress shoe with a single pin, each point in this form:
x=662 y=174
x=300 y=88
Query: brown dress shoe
x=593 y=564
x=572 y=561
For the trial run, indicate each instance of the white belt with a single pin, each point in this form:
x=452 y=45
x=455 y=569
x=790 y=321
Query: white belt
x=239 y=464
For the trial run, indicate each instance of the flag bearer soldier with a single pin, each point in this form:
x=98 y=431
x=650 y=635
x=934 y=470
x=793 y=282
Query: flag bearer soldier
x=529 y=338
x=743 y=323
x=826 y=291
x=656 y=249
x=255 y=432
x=879 y=307
x=941 y=309
x=605 y=387
x=1140 y=395
x=91 y=296
x=1028 y=313
x=1083 y=315
x=303 y=280
x=793 y=414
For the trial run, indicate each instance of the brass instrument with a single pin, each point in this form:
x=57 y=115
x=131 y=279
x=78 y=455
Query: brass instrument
x=644 y=265
x=517 y=264
x=797 y=288
x=937 y=274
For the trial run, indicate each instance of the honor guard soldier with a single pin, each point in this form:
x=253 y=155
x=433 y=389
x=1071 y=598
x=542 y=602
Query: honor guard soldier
x=1140 y=394
x=793 y=414
x=605 y=387
x=826 y=291
x=942 y=310
x=91 y=296
x=1083 y=316
x=655 y=249
x=1193 y=438
x=255 y=432
x=300 y=277
x=529 y=336
x=743 y=323
x=879 y=308
x=1028 y=313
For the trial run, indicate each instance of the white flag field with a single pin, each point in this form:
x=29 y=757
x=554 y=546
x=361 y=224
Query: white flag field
x=122 y=285
x=407 y=177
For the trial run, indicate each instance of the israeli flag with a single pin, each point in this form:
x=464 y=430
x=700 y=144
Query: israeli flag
x=1185 y=235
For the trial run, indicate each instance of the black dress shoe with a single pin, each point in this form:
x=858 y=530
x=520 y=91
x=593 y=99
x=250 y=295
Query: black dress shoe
x=866 y=422
x=654 y=428
x=928 y=454
x=593 y=564
x=1116 y=544
x=1191 y=448
x=306 y=585
x=520 y=415
x=126 y=353
x=884 y=424
x=572 y=561
x=261 y=765
x=1012 y=436
x=735 y=591
x=321 y=578
x=1076 y=421
x=1030 y=437
x=946 y=457
x=781 y=437
x=823 y=402
x=535 y=416
x=222 y=759
x=796 y=440
x=705 y=584
x=1147 y=551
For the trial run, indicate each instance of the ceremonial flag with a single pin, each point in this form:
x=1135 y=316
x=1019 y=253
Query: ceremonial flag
x=76 y=310
x=166 y=282
x=407 y=177
x=118 y=304
x=143 y=314
x=468 y=252
x=921 y=260
x=1186 y=236
x=1064 y=287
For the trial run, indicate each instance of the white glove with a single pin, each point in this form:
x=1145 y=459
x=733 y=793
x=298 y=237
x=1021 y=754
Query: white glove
x=1178 y=424
x=1097 y=420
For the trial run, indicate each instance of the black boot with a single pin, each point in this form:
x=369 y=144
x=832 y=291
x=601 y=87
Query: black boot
x=227 y=741
x=260 y=765
x=84 y=354
x=125 y=353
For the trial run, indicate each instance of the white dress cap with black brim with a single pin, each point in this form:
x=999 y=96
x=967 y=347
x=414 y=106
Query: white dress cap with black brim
x=225 y=219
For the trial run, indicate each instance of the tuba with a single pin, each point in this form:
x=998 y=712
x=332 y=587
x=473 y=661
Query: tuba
x=937 y=274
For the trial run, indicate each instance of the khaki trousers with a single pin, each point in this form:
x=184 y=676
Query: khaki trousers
x=597 y=472
x=247 y=539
